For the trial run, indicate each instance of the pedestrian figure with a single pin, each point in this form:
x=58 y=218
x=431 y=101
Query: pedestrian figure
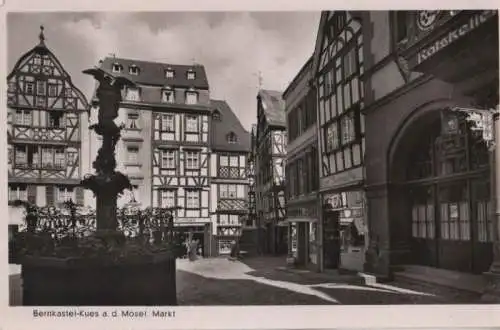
x=192 y=251
x=234 y=250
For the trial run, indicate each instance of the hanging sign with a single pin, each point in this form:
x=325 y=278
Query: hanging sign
x=455 y=34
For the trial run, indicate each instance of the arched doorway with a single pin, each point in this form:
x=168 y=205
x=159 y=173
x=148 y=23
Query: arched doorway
x=441 y=169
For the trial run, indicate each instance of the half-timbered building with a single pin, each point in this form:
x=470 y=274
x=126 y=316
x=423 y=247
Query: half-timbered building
x=338 y=67
x=230 y=146
x=301 y=172
x=270 y=155
x=44 y=130
x=165 y=143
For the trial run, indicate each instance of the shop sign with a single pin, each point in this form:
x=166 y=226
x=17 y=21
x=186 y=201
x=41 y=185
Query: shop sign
x=343 y=179
x=188 y=221
x=336 y=201
x=455 y=34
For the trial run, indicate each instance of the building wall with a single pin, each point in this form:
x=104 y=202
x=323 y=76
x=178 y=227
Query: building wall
x=302 y=169
x=44 y=153
x=403 y=103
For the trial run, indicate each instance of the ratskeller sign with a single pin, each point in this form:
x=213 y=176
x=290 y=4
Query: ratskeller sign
x=455 y=34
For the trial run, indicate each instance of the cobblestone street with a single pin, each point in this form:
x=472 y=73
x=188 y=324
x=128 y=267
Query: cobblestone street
x=265 y=281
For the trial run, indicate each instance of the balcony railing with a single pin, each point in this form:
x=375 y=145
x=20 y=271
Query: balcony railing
x=53 y=166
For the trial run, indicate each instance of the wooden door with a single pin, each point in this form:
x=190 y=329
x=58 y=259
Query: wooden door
x=331 y=239
x=454 y=242
x=424 y=225
x=482 y=216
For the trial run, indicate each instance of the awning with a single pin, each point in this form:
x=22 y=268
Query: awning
x=300 y=219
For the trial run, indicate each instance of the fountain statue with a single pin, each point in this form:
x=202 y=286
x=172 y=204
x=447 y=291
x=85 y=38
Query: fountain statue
x=107 y=268
x=107 y=183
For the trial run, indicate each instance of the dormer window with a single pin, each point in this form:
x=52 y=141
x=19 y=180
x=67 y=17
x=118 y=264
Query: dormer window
x=232 y=138
x=168 y=95
x=169 y=73
x=133 y=69
x=117 y=68
x=191 y=75
x=191 y=97
x=132 y=94
x=216 y=115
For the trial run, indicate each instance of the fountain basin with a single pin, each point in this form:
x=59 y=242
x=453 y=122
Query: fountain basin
x=140 y=280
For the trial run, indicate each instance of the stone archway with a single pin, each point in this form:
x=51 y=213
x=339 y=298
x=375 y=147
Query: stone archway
x=438 y=192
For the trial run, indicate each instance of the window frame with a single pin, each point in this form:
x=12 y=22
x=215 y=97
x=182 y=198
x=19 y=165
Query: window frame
x=67 y=191
x=20 y=191
x=132 y=121
x=164 y=119
x=232 y=138
x=137 y=158
x=116 y=68
x=163 y=197
x=165 y=159
x=194 y=156
x=191 y=75
x=197 y=194
x=190 y=119
x=166 y=99
x=169 y=73
x=216 y=115
x=51 y=120
x=193 y=93
x=134 y=70
x=53 y=90
x=133 y=91
x=221 y=168
x=340 y=96
x=226 y=189
x=29 y=87
x=26 y=117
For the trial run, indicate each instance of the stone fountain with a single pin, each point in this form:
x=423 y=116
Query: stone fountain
x=105 y=268
x=107 y=183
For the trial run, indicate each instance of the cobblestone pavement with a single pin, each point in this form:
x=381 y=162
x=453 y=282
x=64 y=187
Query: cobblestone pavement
x=264 y=281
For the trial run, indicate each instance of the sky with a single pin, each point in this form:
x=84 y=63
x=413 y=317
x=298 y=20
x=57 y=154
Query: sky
x=233 y=46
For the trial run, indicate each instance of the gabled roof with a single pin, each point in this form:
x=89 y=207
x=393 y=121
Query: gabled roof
x=305 y=69
x=42 y=49
x=228 y=123
x=273 y=106
x=325 y=16
x=153 y=73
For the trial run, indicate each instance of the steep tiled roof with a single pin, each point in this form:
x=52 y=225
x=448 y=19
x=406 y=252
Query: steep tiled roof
x=274 y=107
x=228 y=123
x=42 y=49
x=153 y=73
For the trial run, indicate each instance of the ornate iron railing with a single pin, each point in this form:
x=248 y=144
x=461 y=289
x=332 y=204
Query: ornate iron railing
x=52 y=228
